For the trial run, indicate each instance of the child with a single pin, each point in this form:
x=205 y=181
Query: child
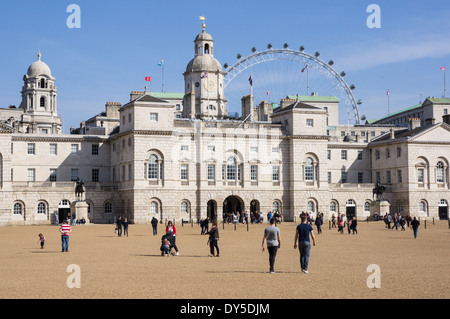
x=42 y=240
x=165 y=247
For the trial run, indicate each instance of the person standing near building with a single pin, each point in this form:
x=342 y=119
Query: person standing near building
x=273 y=239
x=119 y=226
x=213 y=239
x=319 y=223
x=125 y=227
x=65 y=229
x=304 y=230
x=415 y=226
x=154 y=223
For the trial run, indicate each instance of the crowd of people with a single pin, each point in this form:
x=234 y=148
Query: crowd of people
x=255 y=217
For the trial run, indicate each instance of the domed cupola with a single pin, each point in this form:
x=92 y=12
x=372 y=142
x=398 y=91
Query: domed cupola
x=39 y=68
x=204 y=80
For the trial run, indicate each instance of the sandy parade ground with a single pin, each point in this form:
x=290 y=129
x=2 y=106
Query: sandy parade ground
x=132 y=267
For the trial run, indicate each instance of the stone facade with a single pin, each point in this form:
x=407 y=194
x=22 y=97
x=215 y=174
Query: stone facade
x=179 y=156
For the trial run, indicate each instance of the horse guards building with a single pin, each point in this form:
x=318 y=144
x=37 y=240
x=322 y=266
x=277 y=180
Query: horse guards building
x=180 y=156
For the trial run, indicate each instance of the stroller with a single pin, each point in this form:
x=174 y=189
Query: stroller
x=170 y=238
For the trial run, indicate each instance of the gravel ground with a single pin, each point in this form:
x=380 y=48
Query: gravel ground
x=132 y=267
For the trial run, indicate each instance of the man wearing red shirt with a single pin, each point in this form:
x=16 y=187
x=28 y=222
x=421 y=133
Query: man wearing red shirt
x=65 y=229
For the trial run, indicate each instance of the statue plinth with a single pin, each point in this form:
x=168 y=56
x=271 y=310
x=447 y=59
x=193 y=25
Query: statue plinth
x=80 y=208
x=380 y=207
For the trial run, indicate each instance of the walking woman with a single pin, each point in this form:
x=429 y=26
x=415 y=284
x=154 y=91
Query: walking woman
x=273 y=239
x=172 y=229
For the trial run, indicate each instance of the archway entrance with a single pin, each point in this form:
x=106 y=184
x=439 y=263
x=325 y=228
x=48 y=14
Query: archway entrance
x=443 y=209
x=63 y=210
x=233 y=204
x=350 y=209
x=212 y=210
x=254 y=206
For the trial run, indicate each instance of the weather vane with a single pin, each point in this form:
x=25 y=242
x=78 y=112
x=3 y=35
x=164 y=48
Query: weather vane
x=203 y=19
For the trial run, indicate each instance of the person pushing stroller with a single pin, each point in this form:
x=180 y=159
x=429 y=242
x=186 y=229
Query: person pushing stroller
x=167 y=244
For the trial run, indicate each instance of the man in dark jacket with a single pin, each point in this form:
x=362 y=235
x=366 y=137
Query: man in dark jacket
x=213 y=239
x=154 y=223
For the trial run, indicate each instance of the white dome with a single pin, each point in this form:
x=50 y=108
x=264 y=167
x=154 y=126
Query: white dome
x=204 y=63
x=39 y=68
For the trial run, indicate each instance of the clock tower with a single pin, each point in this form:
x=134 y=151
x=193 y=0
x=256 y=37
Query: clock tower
x=203 y=80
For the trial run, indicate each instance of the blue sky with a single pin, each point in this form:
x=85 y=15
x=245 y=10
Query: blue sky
x=121 y=42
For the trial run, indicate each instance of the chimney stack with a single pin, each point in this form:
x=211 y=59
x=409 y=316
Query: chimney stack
x=413 y=123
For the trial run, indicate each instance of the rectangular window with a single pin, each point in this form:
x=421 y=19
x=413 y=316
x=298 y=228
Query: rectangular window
x=309 y=122
x=360 y=155
x=52 y=177
x=31 y=174
x=184 y=147
x=74 y=148
x=388 y=153
x=275 y=149
x=420 y=175
x=178 y=107
x=360 y=177
x=239 y=170
x=211 y=148
x=73 y=174
x=53 y=149
x=377 y=155
x=114 y=174
x=254 y=149
x=31 y=148
x=130 y=172
x=211 y=172
x=223 y=171
x=343 y=177
x=184 y=173
x=254 y=173
x=154 y=117
x=329 y=177
x=94 y=149
x=388 y=177
x=276 y=173
x=399 y=176
x=344 y=155
x=378 y=176
x=95 y=174
x=399 y=151
x=329 y=154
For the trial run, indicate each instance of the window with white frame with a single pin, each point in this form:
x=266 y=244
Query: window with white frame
x=332 y=207
x=73 y=174
x=309 y=122
x=231 y=168
x=41 y=208
x=275 y=206
x=53 y=149
x=31 y=148
x=422 y=206
x=184 y=207
x=31 y=176
x=211 y=172
x=275 y=173
x=154 y=117
x=184 y=172
x=254 y=173
x=74 y=148
x=310 y=206
x=309 y=169
x=108 y=208
x=343 y=154
x=52 y=176
x=367 y=207
x=153 y=167
x=154 y=207
x=440 y=175
x=17 y=210
x=420 y=175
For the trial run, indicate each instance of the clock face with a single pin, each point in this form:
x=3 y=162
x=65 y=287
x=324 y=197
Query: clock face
x=210 y=85
x=197 y=84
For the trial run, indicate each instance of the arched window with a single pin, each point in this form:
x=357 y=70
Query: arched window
x=440 y=175
x=42 y=101
x=422 y=207
x=367 y=207
x=41 y=208
x=154 y=207
x=332 y=207
x=108 y=208
x=309 y=169
x=206 y=48
x=275 y=206
x=17 y=209
x=184 y=207
x=42 y=83
x=231 y=168
x=310 y=206
x=153 y=167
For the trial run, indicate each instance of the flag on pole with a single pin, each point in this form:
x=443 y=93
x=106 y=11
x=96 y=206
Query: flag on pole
x=306 y=66
x=250 y=80
x=161 y=62
x=387 y=93
x=148 y=78
x=443 y=68
x=204 y=75
x=268 y=92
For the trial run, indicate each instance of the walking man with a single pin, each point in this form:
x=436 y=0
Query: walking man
x=65 y=229
x=415 y=226
x=304 y=244
x=273 y=239
x=119 y=226
x=154 y=223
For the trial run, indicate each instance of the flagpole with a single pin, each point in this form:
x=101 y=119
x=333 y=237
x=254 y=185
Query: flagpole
x=163 y=78
x=444 y=82
x=307 y=80
x=388 y=102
